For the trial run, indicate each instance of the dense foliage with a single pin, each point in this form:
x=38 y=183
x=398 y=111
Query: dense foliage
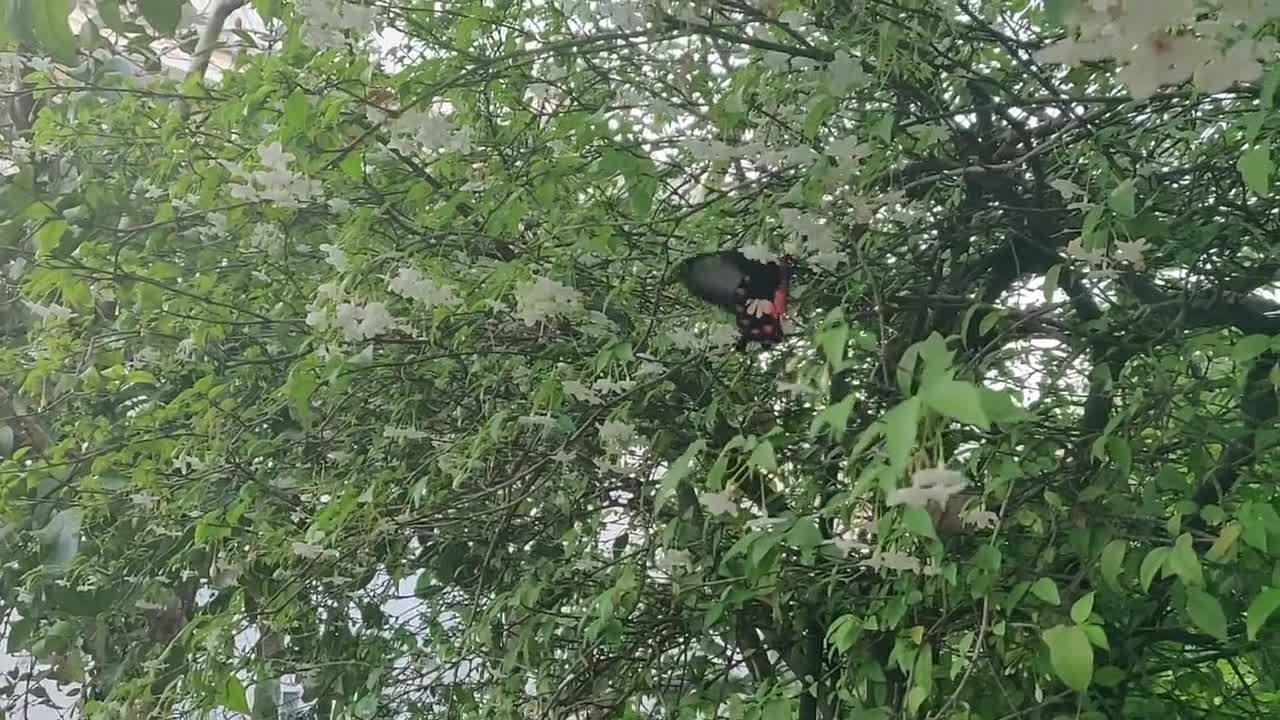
x=362 y=364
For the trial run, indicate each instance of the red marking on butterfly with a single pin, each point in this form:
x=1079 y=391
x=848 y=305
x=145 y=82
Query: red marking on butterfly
x=730 y=280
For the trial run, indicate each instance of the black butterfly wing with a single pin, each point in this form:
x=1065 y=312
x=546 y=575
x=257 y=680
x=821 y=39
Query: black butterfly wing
x=755 y=292
x=716 y=277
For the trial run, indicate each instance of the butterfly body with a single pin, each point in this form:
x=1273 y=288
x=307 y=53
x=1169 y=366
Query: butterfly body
x=755 y=292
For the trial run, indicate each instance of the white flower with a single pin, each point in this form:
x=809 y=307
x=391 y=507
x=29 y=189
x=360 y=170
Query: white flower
x=544 y=421
x=543 y=298
x=649 y=368
x=797 y=388
x=336 y=257
x=580 y=392
x=317 y=317
x=266 y=238
x=328 y=291
x=808 y=228
x=1132 y=252
x=775 y=60
x=718 y=503
x=759 y=253
x=793 y=18
x=326 y=21
x=669 y=560
x=17 y=267
x=403 y=433
x=376 y=320
x=979 y=518
x=1239 y=64
x=1066 y=188
x=723 y=336
x=275 y=184
x=847 y=545
x=928 y=133
x=419 y=130
x=52 y=311
x=187 y=349
x=339 y=206
x=616 y=433
x=146 y=501
x=829 y=261
x=598 y=325
x=891 y=560
x=311 y=551
x=1160 y=59
x=625 y=15
x=605 y=386
x=360 y=323
x=933 y=485
x=683 y=338
x=1076 y=249
x=409 y=284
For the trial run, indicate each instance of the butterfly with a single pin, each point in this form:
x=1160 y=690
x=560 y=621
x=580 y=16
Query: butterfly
x=755 y=292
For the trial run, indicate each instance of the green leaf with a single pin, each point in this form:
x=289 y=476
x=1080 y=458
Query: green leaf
x=1255 y=167
x=817 y=115
x=1055 y=11
x=1269 y=85
x=296 y=112
x=1097 y=636
x=267 y=9
x=777 y=709
x=1071 y=655
x=109 y=11
x=234 y=697
x=1047 y=590
x=641 y=190
x=833 y=340
x=1226 y=540
x=1250 y=347
x=675 y=473
x=49 y=236
x=60 y=538
x=52 y=29
x=1081 y=609
x=1121 y=199
x=1260 y=610
x=957 y=400
x=763 y=457
x=163 y=15
x=1206 y=612
x=900 y=431
x=1051 y=278
x=1112 y=561
x=923 y=672
x=367 y=706
x=1184 y=562
x=844 y=632
x=1151 y=564
x=1109 y=676
x=804 y=534
x=917 y=521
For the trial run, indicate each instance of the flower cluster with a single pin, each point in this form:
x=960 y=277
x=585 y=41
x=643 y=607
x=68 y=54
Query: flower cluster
x=420 y=130
x=327 y=22
x=1163 y=42
x=408 y=283
x=544 y=298
x=275 y=183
